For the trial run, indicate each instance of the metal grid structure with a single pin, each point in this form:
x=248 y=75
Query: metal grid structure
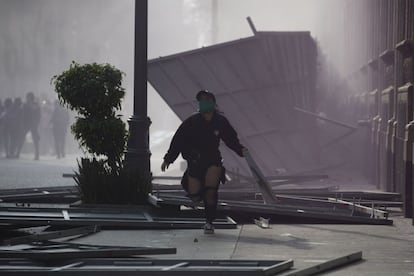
x=147 y=267
x=40 y=194
x=328 y=210
x=108 y=218
x=52 y=251
x=132 y=266
x=258 y=82
x=328 y=265
x=50 y=235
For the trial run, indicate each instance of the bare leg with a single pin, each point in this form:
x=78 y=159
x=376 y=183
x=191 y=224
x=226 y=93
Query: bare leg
x=194 y=189
x=212 y=182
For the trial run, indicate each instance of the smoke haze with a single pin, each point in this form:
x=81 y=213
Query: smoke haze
x=40 y=38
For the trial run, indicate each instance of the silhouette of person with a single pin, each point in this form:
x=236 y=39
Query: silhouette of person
x=198 y=139
x=16 y=127
x=7 y=122
x=60 y=123
x=31 y=120
x=1 y=127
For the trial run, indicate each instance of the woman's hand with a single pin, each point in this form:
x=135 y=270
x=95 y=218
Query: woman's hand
x=164 y=166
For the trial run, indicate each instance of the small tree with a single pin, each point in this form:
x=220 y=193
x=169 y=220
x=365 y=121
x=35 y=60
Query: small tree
x=95 y=91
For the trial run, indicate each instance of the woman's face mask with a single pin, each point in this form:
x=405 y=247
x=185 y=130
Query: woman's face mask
x=205 y=106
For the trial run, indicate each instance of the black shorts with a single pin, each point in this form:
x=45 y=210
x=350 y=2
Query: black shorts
x=198 y=170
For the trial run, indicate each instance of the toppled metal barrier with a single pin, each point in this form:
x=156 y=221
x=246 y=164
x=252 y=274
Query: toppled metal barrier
x=106 y=217
x=317 y=210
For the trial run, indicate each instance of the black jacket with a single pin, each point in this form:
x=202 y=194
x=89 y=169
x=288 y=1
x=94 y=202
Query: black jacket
x=199 y=138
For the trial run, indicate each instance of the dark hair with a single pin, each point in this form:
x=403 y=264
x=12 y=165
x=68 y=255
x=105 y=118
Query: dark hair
x=206 y=94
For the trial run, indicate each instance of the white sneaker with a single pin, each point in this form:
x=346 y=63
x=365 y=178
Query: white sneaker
x=208 y=228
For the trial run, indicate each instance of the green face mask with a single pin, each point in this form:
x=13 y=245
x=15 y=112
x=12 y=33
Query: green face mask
x=205 y=106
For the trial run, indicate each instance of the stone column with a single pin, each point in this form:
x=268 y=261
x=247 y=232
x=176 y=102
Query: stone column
x=387 y=58
x=406 y=49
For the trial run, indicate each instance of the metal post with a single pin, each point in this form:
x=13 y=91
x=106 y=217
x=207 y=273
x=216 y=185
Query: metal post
x=251 y=24
x=138 y=153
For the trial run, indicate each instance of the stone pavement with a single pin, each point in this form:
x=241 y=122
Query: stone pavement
x=386 y=250
x=28 y=173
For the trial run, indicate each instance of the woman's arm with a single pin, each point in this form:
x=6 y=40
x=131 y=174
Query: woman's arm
x=176 y=145
x=230 y=138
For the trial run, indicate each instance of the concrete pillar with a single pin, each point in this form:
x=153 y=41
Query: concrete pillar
x=406 y=49
x=387 y=58
x=407 y=194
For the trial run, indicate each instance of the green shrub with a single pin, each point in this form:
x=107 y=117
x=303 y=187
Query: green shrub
x=95 y=92
x=100 y=184
x=102 y=137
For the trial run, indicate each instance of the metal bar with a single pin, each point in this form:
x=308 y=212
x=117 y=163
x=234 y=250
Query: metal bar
x=156 y=267
x=254 y=208
x=379 y=204
x=175 y=266
x=264 y=187
x=298 y=177
x=334 y=263
x=246 y=189
x=171 y=224
x=68 y=251
x=325 y=119
x=52 y=235
x=167 y=177
x=275 y=269
x=251 y=24
x=49 y=189
x=364 y=209
x=302 y=177
x=293 y=201
x=67 y=266
x=105 y=218
x=9 y=195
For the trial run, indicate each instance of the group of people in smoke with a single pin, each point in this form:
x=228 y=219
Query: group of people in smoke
x=18 y=118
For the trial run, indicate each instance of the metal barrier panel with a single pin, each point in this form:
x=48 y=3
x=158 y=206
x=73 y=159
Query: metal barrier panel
x=258 y=81
x=145 y=266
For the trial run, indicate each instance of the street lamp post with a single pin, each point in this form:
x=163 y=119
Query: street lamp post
x=138 y=152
